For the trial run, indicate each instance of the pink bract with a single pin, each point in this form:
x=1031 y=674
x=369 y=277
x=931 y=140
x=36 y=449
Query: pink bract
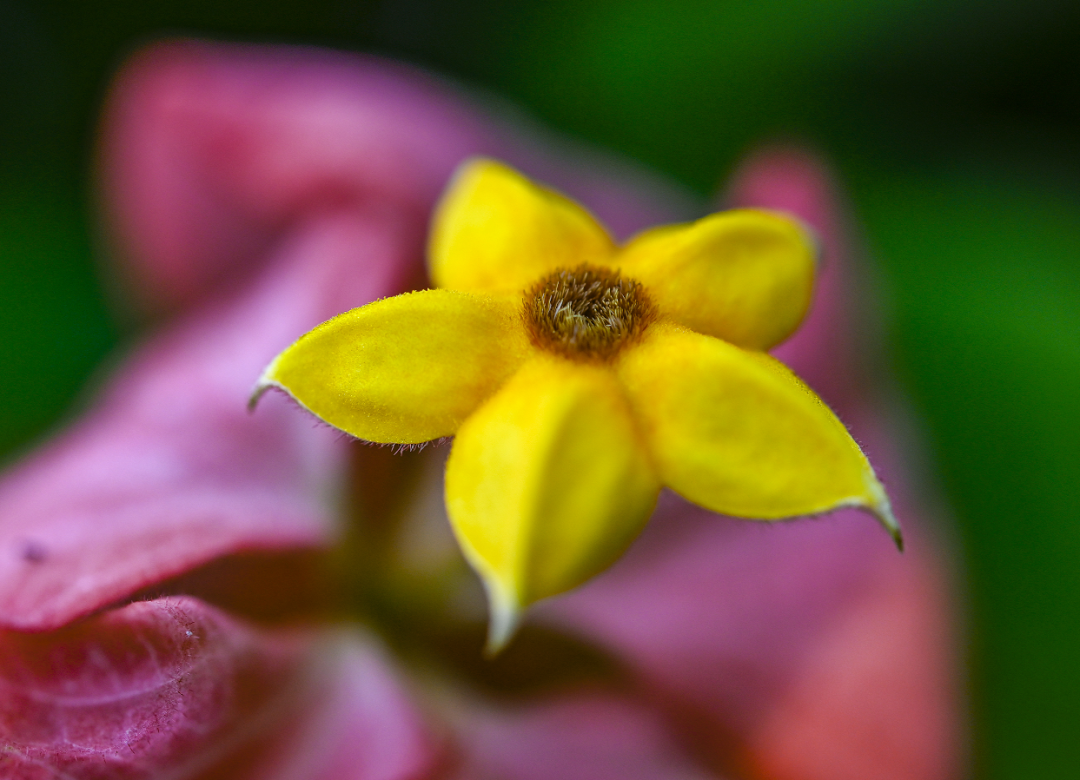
x=150 y=555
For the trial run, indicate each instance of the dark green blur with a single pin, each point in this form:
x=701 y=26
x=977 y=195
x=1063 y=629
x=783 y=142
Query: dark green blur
x=956 y=126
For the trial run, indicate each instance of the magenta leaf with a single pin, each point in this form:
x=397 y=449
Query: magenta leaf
x=168 y=470
x=153 y=686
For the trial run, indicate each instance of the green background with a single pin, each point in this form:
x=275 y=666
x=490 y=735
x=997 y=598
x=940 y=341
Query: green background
x=956 y=126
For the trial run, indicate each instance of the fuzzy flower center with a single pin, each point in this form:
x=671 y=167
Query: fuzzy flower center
x=587 y=312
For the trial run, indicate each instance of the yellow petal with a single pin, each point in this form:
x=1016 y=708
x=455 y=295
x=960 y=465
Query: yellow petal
x=744 y=276
x=496 y=230
x=405 y=369
x=547 y=484
x=736 y=432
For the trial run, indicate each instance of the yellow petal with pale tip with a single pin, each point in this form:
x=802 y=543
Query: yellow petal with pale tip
x=496 y=230
x=745 y=276
x=736 y=432
x=406 y=369
x=547 y=484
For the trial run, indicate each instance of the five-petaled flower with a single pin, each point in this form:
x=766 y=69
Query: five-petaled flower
x=579 y=377
x=172 y=596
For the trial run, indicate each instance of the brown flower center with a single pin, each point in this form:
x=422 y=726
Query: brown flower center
x=587 y=312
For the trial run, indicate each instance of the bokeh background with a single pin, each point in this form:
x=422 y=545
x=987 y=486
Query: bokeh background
x=954 y=125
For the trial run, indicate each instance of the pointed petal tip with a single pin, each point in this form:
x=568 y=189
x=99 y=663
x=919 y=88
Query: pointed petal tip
x=504 y=622
x=258 y=392
x=882 y=509
x=894 y=531
x=265 y=382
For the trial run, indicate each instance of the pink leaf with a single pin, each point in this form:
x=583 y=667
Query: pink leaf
x=168 y=470
x=153 y=686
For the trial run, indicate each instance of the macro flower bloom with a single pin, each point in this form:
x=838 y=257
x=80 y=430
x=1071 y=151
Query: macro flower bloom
x=579 y=377
x=189 y=591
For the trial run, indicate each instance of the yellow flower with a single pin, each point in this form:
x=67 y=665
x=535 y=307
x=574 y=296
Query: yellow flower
x=579 y=377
